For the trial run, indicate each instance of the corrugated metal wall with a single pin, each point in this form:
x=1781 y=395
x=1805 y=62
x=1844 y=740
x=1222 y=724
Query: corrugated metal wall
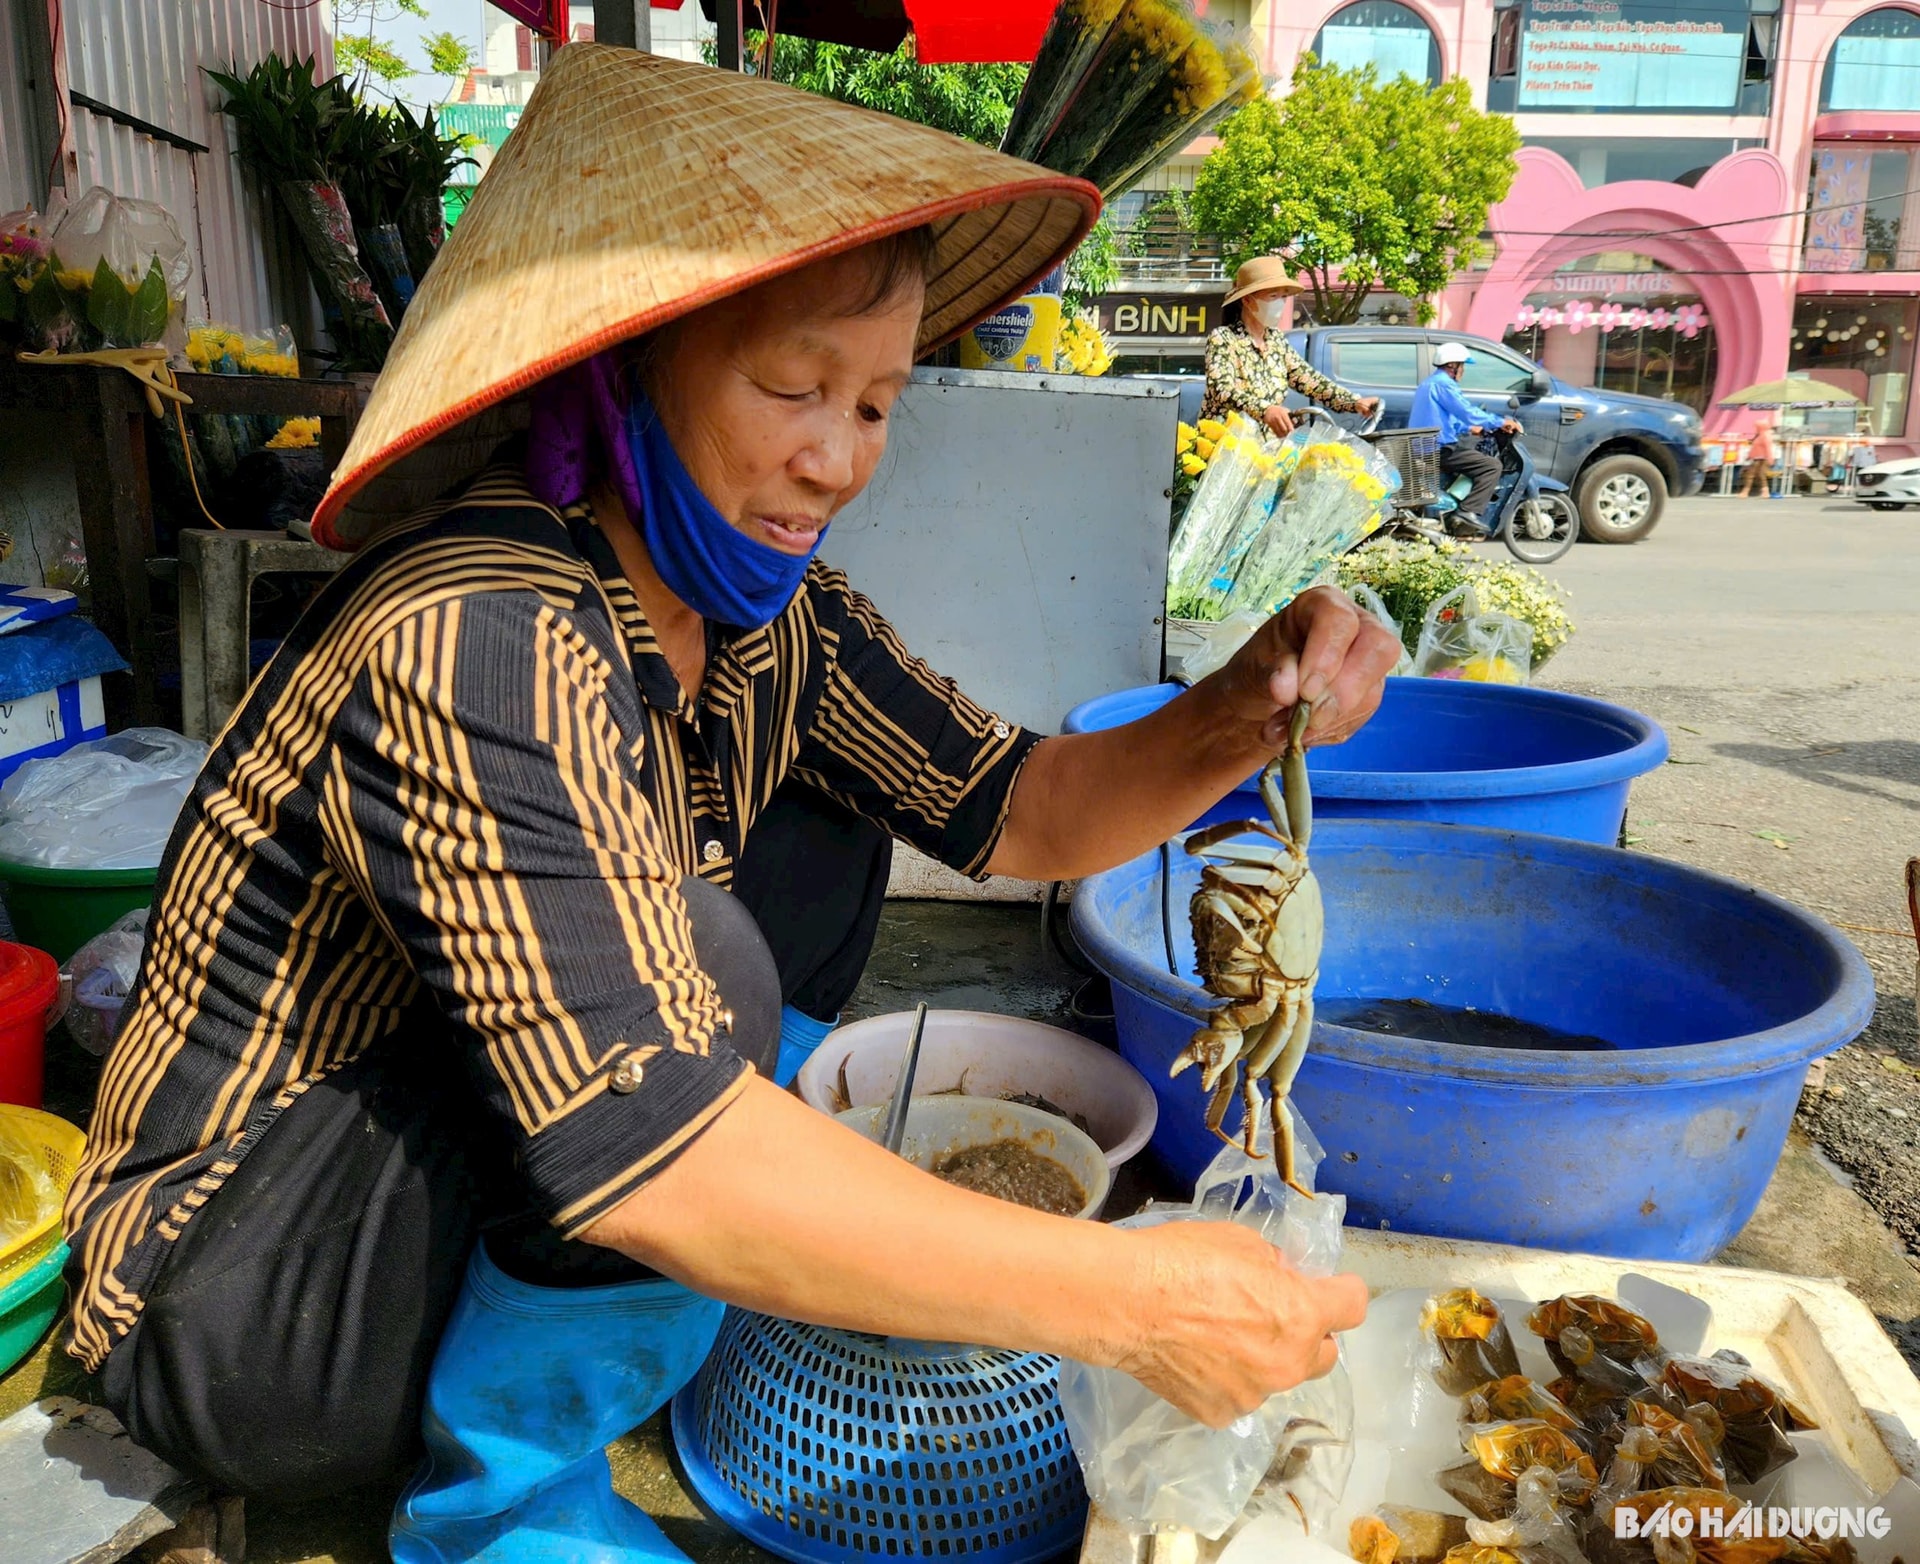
x=20 y=179
x=146 y=58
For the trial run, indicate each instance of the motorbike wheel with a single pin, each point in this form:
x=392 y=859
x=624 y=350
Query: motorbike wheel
x=1540 y=531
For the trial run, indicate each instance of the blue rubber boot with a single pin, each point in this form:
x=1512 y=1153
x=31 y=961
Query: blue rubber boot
x=800 y=1034
x=528 y=1385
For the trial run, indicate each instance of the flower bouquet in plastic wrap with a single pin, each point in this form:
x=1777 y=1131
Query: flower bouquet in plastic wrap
x=1119 y=85
x=1242 y=470
x=1154 y=1470
x=111 y=273
x=1336 y=497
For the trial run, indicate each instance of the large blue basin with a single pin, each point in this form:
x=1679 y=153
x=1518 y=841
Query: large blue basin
x=1717 y=997
x=1466 y=754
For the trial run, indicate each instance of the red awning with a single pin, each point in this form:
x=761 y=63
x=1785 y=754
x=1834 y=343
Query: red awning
x=948 y=32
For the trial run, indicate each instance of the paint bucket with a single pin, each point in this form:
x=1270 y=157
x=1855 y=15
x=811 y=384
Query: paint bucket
x=1023 y=335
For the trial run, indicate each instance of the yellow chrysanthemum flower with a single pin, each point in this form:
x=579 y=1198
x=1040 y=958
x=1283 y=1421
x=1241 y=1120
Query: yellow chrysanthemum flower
x=73 y=279
x=296 y=434
x=1192 y=465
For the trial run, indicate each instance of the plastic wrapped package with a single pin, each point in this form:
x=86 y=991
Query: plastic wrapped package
x=1756 y=1415
x=1468 y=1341
x=27 y=1194
x=1598 y=1340
x=106 y=804
x=358 y=319
x=1153 y=1468
x=1605 y=1546
x=1516 y=1396
x=1413 y=1536
x=122 y=267
x=1659 y=1450
x=1541 y=1527
x=1486 y=1485
x=104 y=971
x=1218 y=643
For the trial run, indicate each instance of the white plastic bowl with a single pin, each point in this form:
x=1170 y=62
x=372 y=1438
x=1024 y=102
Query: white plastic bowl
x=988 y=1056
x=938 y=1125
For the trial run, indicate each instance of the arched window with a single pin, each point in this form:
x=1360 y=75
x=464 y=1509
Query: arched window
x=1875 y=64
x=1389 y=37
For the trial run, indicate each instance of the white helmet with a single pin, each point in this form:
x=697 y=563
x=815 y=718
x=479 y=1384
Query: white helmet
x=1451 y=353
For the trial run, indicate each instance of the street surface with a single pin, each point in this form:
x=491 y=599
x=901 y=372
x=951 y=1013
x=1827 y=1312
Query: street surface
x=1778 y=642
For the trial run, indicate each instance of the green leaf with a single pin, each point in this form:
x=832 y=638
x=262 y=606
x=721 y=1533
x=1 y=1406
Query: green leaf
x=46 y=301
x=109 y=305
x=149 y=307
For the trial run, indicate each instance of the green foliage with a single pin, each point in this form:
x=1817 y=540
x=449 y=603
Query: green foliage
x=1093 y=268
x=974 y=101
x=284 y=120
x=447 y=55
x=370 y=58
x=1371 y=184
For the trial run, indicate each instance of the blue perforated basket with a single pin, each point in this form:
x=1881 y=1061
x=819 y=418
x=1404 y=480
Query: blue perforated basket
x=819 y=1446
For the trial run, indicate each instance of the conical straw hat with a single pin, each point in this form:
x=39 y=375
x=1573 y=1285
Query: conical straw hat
x=635 y=189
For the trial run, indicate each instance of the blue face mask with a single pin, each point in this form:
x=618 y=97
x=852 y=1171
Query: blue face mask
x=709 y=564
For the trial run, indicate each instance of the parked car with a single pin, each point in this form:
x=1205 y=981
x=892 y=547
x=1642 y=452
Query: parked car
x=1622 y=455
x=1889 y=485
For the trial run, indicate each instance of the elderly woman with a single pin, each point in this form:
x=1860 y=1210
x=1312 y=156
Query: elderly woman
x=441 y=1106
x=1250 y=367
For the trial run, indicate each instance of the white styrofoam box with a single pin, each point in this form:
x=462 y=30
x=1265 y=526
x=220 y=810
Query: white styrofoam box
x=36 y=726
x=1813 y=1338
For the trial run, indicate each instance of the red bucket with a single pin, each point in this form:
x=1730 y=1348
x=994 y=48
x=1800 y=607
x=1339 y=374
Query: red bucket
x=29 y=986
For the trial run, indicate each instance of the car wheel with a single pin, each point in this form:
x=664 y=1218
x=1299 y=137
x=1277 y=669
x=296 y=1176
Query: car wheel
x=1886 y=504
x=1621 y=498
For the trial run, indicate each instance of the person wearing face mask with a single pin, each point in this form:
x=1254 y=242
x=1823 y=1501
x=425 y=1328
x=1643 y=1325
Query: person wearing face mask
x=439 y=1131
x=1250 y=367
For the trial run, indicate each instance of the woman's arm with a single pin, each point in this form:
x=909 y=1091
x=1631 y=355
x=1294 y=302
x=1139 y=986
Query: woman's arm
x=777 y=1208
x=1085 y=802
x=1313 y=385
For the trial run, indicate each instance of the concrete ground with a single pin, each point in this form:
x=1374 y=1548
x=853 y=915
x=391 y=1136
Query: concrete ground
x=1779 y=643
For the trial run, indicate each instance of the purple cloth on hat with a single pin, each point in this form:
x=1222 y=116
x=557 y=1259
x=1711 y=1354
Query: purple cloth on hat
x=578 y=436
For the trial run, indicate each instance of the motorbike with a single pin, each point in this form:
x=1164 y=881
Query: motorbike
x=1533 y=514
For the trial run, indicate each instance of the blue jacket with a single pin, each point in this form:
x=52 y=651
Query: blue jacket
x=1439 y=404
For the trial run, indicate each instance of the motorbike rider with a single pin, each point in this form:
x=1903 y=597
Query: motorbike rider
x=1439 y=404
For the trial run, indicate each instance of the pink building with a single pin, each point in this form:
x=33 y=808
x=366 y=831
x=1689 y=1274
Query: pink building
x=1711 y=192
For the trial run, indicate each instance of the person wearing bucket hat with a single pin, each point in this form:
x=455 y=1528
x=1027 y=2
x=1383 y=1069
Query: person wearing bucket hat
x=1251 y=367
x=438 y=1129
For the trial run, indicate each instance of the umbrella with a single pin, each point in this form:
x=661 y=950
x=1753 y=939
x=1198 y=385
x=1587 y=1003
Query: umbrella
x=1801 y=391
x=946 y=32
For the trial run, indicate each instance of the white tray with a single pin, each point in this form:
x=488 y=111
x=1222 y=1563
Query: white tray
x=1813 y=1338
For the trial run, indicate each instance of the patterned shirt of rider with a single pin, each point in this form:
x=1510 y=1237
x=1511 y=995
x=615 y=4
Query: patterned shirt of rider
x=1244 y=376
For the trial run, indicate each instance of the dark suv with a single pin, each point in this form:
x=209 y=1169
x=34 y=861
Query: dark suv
x=1621 y=454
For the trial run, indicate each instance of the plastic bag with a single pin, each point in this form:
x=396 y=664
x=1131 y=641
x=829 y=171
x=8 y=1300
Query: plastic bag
x=1598 y=1340
x=106 y=804
x=1150 y=1466
x=1658 y=1450
x=1218 y=643
x=1368 y=601
x=1459 y=641
x=1540 y=1523
x=1755 y=1415
x=1395 y=1534
x=23 y=257
x=121 y=267
x=1467 y=1341
x=1487 y=1485
x=104 y=971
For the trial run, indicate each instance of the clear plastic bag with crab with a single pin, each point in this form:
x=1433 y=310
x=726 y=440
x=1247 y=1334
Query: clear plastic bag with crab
x=1154 y=1469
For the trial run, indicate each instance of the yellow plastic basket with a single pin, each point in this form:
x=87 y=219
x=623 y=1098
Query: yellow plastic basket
x=56 y=1145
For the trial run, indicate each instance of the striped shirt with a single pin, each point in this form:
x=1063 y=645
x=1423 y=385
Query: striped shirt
x=470 y=780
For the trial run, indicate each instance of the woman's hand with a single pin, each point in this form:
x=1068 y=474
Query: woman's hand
x=1322 y=649
x=1231 y=1322
x=1279 y=420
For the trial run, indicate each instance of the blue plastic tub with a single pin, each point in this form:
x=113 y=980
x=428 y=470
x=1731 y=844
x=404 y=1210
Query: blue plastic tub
x=1716 y=996
x=1465 y=754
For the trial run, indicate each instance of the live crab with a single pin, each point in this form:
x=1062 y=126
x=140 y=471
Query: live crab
x=1258 y=923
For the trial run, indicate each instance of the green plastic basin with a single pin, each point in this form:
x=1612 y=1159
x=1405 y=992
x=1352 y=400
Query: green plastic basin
x=59 y=910
x=27 y=1307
